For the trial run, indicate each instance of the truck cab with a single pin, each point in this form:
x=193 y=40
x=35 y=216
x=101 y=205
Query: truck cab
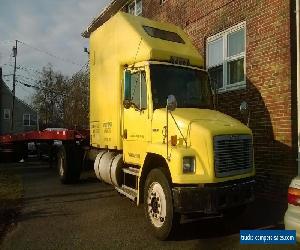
x=206 y=155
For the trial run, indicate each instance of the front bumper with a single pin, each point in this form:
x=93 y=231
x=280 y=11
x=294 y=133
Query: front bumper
x=292 y=220
x=213 y=198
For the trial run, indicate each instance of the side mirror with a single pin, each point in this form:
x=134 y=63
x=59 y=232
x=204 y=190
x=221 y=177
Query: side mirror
x=245 y=112
x=244 y=108
x=127 y=85
x=171 y=103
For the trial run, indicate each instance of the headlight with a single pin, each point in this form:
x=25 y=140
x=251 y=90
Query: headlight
x=188 y=164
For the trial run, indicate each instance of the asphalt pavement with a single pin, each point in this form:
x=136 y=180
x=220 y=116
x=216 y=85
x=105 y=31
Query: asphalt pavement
x=92 y=215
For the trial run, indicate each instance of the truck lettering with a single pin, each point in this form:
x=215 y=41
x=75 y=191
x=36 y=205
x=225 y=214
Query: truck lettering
x=133 y=155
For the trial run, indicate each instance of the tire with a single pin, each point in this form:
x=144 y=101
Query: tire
x=158 y=205
x=19 y=152
x=69 y=163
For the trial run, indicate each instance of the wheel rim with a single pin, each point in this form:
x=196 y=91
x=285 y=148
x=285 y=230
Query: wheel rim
x=156 y=201
x=60 y=166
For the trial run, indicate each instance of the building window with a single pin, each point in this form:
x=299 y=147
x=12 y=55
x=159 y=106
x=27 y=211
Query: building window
x=226 y=58
x=26 y=119
x=6 y=114
x=29 y=120
x=135 y=8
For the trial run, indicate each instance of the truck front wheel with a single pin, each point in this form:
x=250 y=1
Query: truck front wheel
x=159 y=206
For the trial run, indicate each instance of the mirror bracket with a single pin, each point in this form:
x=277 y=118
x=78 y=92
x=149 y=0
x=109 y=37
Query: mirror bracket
x=171 y=103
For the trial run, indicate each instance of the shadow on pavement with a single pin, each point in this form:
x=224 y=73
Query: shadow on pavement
x=262 y=214
x=41 y=214
x=87 y=180
x=64 y=195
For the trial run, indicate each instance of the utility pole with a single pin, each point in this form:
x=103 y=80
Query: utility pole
x=15 y=52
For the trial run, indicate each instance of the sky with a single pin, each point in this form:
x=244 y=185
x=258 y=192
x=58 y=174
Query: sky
x=44 y=27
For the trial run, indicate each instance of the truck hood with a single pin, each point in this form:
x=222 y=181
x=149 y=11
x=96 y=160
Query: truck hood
x=199 y=122
x=198 y=127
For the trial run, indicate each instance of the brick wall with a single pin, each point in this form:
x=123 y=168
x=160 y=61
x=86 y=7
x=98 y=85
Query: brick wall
x=269 y=88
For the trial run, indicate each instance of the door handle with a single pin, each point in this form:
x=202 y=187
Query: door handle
x=125 y=134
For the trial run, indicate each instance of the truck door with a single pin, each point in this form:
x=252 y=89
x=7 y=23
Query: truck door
x=136 y=121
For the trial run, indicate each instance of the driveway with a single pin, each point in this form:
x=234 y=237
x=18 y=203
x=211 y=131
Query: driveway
x=92 y=215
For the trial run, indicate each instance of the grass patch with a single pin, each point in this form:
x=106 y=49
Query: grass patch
x=11 y=186
x=11 y=190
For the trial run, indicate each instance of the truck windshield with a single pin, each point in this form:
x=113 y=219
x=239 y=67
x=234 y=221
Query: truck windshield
x=190 y=87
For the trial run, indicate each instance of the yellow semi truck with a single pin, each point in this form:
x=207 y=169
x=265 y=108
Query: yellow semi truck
x=154 y=132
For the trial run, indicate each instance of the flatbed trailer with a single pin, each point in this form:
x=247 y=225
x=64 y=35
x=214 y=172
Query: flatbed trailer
x=13 y=147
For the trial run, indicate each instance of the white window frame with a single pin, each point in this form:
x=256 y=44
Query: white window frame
x=29 y=117
x=226 y=59
x=5 y=112
x=135 y=8
x=132 y=4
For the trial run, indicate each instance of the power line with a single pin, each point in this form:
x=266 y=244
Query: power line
x=84 y=66
x=27 y=78
x=49 y=54
x=31 y=69
x=40 y=88
x=9 y=62
x=24 y=89
x=28 y=85
x=6 y=41
x=28 y=69
x=22 y=67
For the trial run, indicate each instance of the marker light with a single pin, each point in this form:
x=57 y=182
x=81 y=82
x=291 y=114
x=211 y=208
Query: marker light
x=174 y=140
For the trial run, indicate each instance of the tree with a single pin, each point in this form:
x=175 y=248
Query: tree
x=49 y=97
x=76 y=106
x=62 y=101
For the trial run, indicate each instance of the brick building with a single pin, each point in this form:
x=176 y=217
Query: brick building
x=249 y=48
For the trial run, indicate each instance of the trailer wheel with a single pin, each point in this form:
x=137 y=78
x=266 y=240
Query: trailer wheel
x=69 y=163
x=159 y=206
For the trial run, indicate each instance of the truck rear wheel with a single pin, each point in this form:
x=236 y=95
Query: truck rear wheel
x=159 y=206
x=69 y=162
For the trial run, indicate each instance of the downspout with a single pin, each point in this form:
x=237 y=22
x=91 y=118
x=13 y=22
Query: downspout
x=298 y=77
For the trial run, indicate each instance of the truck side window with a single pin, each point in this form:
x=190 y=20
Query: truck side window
x=139 y=89
x=143 y=90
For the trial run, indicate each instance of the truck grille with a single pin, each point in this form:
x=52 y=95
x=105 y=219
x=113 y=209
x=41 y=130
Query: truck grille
x=233 y=154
